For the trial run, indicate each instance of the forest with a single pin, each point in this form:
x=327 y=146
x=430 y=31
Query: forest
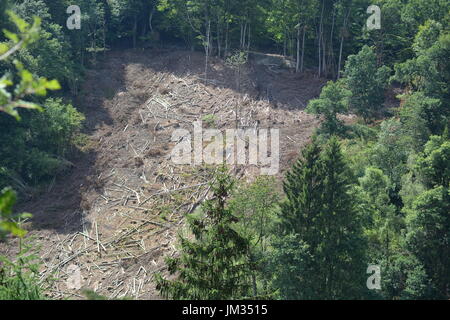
x=93 y=94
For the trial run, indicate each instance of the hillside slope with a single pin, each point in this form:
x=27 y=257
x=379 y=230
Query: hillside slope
x=116 y=214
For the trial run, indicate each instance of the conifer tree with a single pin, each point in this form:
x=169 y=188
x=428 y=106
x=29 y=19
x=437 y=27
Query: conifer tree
x=212 y=265
x=341 y=249
x=320 y=215
x=303 y=187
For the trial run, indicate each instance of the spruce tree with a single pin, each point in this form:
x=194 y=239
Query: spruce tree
x=325 y=232
x=303 y=188
x=341 y=250
x=213 y=263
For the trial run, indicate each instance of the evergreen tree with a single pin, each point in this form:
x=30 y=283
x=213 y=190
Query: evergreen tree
x=303 y=187
x=214 y=264
x=320 y=214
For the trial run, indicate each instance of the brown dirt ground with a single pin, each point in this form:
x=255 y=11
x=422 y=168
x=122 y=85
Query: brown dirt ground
x=117 y=212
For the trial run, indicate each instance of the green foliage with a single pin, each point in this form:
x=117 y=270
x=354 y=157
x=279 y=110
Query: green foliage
x=405 y=278
x=332 y=101
x=320 y=214
x=434 y=162
x=303 y=188
x=8 y=220
x=427 y=237
x=213 y=265
x=28 y=84
x=19 y=278
x=291 y=266
x=391 y=152
x=210 y=120
x=367 y=83
x=27 y=34
x=92 y=295
x=416 y=115
x=255 y=206
x=358 y=153
x=35 y=148
x=55 y=128
x=383 y=225
x=429 y=73
x=417 y=12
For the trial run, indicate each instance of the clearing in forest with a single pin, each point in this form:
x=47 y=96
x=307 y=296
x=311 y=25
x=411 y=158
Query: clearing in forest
x=116 y=214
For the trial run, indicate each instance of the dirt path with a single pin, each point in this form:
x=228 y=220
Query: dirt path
x=115 y=216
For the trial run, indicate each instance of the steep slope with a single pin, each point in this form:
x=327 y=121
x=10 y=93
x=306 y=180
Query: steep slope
x=115 y=215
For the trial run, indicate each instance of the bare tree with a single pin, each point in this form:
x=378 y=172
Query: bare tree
x=236 y=62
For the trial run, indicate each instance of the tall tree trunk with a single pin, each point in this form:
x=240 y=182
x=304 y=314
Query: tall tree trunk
x=320 y=55
x=320 y=38
x=255 y=289
x=331 y=49
x=243 y=35
x=82 y=50
x=342 y=43
x=249 y=37
x=297 y=66
x=150 y=18
x=324 y=57
x=207 y=47
x=104 y=35
x=340 y=57
x=242 y=31
x=226 y=37
x=135 y=31
x=219 y=46
x=303 y=48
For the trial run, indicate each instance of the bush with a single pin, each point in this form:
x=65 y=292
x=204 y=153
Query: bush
x=34 y=149
x=19 y=279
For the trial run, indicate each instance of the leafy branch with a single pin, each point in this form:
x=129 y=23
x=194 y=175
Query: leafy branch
x=28 y=84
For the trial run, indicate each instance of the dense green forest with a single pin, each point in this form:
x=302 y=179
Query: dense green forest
x=373 y=192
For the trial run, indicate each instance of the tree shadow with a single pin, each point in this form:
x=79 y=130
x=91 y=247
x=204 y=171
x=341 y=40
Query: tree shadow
x=62 y=205
x=263 y=78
